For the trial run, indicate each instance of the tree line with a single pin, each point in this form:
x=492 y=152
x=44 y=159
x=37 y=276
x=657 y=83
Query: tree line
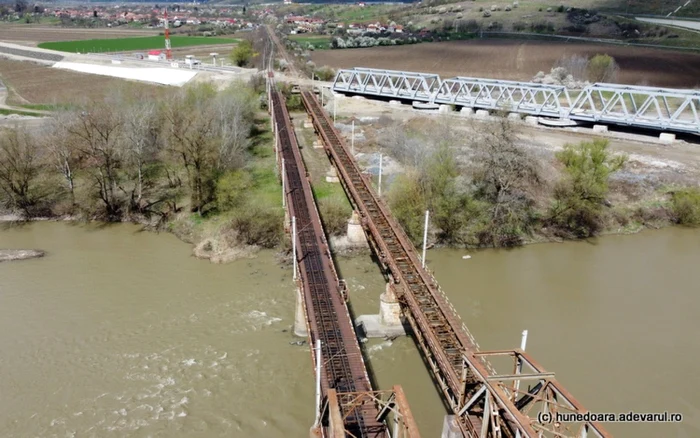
x=496 y=193
x=129 y=157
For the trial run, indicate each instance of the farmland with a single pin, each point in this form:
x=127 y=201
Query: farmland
x=33 y=34
x=130 y=44
x=319 y=41
x=36 y=86
x=516 y=60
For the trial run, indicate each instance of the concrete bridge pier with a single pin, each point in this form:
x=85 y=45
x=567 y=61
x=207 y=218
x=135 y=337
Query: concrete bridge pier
x=332 y=175
x=356 y=235
x=389 y=322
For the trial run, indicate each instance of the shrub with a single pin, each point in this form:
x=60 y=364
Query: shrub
x=258 y=225
x=325 y=73
x=335 y=212
x=685 y=205
x=580 y=197
x=231 y=189
x=602 y=68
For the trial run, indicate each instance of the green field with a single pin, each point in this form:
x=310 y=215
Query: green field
x=130 y=44
x=320 y=42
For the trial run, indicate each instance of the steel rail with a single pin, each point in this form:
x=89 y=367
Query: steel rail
x=327 y=314
x=447 y=345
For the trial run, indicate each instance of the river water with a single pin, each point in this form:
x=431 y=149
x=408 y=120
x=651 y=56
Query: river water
x=118 y=332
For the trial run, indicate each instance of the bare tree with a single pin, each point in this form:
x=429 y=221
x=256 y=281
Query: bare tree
x=208 y=134
x=141 y=139
x=95 y=133
x=20 y=167
x=575 y=65
x=507 y=176
x=61 y=153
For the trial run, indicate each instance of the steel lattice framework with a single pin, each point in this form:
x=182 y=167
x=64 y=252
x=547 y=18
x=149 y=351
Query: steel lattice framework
x=486 y=403
x=661 y=109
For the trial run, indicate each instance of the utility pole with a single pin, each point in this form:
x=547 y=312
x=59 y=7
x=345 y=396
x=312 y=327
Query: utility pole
x=294 y=247
x=379 y=190
x=284 y=189
x=519 y=363
x=425 y=235
x=318 y=383
x=352 y=141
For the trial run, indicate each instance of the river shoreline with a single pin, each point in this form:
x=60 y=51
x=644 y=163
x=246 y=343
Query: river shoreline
x=218 y=251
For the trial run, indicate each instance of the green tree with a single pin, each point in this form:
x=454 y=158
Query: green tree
x=580 y=197
x=243 y=53
x=602 y=68
x=408 y=204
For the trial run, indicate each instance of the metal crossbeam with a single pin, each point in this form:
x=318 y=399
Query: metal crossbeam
x=661 y=109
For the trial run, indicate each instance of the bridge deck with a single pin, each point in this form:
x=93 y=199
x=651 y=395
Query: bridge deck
x=327 y=314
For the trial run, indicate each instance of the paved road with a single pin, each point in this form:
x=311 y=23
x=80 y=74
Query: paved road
x=691 y=25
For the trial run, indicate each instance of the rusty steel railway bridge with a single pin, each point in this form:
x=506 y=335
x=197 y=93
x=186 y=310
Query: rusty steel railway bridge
x=485 y=403
x=350 y=406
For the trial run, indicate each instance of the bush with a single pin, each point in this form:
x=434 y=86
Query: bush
x=258 y=225
x=519 y=26
x=602 y=68
x=542 y=27
x=231 y=189
x=408 y=204
x=335 y=213
x=685 y=205
x=580 y=197
x=325 y=73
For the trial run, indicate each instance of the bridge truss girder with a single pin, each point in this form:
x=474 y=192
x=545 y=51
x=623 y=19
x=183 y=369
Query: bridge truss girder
x=654 y=108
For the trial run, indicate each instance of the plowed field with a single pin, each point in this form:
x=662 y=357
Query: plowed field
x=516 y=60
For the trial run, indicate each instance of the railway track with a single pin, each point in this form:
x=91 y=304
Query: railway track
x=442 y=337
x=327 y=314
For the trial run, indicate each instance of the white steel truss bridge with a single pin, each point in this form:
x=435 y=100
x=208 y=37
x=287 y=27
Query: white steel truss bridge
x=660 y=109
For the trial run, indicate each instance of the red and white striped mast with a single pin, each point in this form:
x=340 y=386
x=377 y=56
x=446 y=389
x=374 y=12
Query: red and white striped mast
x=168 y=53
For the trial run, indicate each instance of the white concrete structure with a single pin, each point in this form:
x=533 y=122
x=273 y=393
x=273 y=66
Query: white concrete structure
x=164 y=76
x=356 y=235
x=667 y=137
x=600 y=128
x=332 y=175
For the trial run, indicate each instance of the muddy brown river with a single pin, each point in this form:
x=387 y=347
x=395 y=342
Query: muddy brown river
x=118 y=332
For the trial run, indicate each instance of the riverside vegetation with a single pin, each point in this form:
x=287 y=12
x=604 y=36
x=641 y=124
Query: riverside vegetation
x=196 y=162
x=493 y=192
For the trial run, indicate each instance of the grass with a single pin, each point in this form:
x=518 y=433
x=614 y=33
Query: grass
x=45 y=107
x=320 y=42
x=130 y=44
x=7 y=112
